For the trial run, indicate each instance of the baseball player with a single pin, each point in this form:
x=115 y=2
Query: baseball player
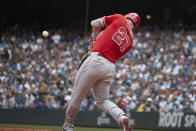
x=98 y=68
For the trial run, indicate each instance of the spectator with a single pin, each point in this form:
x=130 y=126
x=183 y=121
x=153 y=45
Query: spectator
x=149 y=107
x=193 y=104
x=38 y=72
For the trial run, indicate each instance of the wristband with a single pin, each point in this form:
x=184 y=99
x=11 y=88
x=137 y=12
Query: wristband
x=94 y=35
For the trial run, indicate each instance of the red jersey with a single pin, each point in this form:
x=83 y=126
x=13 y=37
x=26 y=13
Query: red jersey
x=116 y=39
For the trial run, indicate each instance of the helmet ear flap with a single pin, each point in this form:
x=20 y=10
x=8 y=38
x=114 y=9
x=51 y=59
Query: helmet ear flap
x=132 y=22
x=134 y=17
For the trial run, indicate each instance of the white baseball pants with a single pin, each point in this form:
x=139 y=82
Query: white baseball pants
x=96 y=72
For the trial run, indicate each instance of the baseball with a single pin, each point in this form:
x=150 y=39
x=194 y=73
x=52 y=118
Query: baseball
x=45 y=34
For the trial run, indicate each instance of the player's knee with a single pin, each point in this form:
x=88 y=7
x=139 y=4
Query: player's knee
x=100 y=104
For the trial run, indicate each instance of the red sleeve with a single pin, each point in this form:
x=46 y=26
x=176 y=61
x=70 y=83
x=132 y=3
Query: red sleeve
x=111 y=18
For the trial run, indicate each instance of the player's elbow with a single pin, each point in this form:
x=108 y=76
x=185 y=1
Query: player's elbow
x=95 y=23
x=92 y=23
x=98 y=23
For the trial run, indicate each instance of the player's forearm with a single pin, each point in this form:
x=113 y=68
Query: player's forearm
x=96 y=30
x=97 y=25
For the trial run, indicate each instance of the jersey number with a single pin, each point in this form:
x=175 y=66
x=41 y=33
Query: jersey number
x=121 y=38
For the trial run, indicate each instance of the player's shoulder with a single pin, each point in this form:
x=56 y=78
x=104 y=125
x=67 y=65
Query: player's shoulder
x=115 y=19
x=114 y=16
x=120 y=18
x=119 y=15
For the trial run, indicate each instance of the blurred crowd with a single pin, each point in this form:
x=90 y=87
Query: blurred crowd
x=158 y=74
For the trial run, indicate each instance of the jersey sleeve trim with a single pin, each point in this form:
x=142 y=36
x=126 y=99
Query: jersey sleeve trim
x=104 y=21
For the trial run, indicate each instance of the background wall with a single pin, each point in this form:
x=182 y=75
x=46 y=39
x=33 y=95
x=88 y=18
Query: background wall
x=141 y=120
x=72 y=12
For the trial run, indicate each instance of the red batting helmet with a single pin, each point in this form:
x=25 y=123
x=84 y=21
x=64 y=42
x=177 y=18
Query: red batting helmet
x=135 y=18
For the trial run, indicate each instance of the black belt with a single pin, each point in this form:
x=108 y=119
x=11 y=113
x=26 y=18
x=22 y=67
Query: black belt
x=84 y=58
